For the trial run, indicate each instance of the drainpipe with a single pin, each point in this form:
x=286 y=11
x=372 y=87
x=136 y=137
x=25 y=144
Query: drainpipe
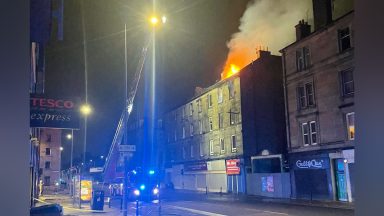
x=287 y=125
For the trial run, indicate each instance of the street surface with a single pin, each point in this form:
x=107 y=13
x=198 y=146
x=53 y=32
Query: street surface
x=192 y=204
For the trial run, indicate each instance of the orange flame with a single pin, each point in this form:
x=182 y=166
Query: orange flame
x=233 y=65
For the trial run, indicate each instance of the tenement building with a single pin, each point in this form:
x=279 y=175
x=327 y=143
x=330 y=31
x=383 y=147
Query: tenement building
x=319 y=92
x=227 y=130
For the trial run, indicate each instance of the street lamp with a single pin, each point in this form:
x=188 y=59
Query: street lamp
x=61 y=148
x=70 y=137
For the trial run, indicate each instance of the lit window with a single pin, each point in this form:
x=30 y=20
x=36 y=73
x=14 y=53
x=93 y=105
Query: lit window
x=211 y=152
x=233 y=117
x=344 y=39
x=222 y=146
x=351 y=125
x=200 y=127
x=201 y=149
x=233 y=143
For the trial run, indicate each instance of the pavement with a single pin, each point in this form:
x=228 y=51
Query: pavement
x=192 y=203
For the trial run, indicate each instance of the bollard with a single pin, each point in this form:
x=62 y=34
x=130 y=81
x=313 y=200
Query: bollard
x=206 y=190
x=137 y=207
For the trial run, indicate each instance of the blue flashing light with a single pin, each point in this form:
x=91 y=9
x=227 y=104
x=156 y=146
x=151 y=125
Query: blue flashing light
x=151 y=172
x=134 y=172
x=142 y=187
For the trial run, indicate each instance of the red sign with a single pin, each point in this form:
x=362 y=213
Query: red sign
x=233 y=166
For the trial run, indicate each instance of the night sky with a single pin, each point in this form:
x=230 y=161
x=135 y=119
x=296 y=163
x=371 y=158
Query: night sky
x=190 y=51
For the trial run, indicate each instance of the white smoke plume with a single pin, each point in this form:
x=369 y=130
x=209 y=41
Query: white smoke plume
x=266 y=23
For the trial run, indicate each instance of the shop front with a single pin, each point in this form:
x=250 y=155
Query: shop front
x=311 y=177
x=235 y=176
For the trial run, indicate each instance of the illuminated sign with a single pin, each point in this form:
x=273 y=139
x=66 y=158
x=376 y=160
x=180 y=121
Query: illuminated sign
x=312 y=164
x=48 y=112
x=86 y=190
x=233 y=166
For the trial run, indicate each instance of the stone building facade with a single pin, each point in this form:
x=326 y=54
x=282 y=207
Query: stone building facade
x=50 y=159
x=319 y=91
x=210 y=139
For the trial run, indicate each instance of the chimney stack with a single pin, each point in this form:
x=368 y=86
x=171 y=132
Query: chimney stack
x=302 y=30
x=322 y=13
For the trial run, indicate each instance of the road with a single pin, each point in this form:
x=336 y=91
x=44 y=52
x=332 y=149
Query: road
x=189 y=204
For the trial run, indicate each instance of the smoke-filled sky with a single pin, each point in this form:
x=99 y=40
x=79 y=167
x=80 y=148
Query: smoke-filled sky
x=266 y=23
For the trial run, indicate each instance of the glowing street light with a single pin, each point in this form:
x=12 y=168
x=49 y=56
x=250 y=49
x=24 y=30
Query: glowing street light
x=69 y=136
x=154 y=20
x=86 y=109
x=61 y=148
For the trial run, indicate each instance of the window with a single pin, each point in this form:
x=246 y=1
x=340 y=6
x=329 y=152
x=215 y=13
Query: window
x=200 y=127
x=313 y=132
x=192 y=151
x=351 y=125
x=47 y=165
x=47 y=151
x=233 y=117
x=49 y=138
x=220 y=95
x=309 y=132
x=231 y=89
x=183 y=132
x=347 y=83
x=306 y=96
x=47 y=180
x=302 y=58
x=221 y=120
x=210 y=124
x=201 y=149
x=233 y=143
x=199 y=108
x=175 y=135
x=222 y=146
x=211 y=147
x=209 y=100
x=191 y=109
x=183 y=153
x=344 y=39
x=191 y=129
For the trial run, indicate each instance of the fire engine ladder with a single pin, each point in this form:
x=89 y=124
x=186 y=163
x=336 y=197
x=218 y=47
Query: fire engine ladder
x=121 y=126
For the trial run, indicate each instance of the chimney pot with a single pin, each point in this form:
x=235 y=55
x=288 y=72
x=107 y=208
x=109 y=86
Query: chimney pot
x=302 y=30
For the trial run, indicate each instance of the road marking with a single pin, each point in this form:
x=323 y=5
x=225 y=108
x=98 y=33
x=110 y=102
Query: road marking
x=272 y=212
x=197 y=211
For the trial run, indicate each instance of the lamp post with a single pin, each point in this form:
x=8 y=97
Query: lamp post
x=70 y=137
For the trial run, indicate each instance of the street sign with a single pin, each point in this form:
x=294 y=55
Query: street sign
x=95 y=169
x=233 y=167
x=127 y=148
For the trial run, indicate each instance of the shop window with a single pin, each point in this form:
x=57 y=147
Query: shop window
x=306 y=96
x=344 y=39
x=347 y=83
x=351 y=125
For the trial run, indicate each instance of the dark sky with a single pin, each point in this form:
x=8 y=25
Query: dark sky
x=190 y=51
